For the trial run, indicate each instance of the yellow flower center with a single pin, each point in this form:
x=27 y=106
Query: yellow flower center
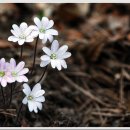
x=2 y=73
x=30 y=97
x=53 y=56
x=14 y=74
x=41 y=30
x=22 y=36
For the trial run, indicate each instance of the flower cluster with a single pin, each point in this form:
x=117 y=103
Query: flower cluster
x=10 y=72
x=43 y=30
x=55 y=55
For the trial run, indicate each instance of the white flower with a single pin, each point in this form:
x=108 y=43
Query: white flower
x=42 y=29
x=33 y=98
x=55 y=56
x=18 y=71
x=21 y=34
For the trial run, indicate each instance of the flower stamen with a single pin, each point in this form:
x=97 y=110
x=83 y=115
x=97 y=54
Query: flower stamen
x=42 y=30
x=53 y=56
x=30 y=97
x=2 y=73
x=22 y=36
x=14 y=74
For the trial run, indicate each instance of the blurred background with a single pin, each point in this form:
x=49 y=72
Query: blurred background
x=95 y=89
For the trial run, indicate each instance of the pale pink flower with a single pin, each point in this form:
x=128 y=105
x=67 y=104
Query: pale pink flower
x=5 y=75
x=18 y=71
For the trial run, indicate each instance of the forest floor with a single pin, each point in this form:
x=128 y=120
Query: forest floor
x=94 y=90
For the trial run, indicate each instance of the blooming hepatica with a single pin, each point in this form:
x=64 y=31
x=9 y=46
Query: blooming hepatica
x=18 y=71
x=5 y=76
x=43 y=29
x=55 y=56
x=10 y=73
x=21 y=34
x=33 y=97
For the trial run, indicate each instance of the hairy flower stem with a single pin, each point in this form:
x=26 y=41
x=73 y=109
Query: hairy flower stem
x=2 y=94
x=19 y=111
x=34 y=58
x=20 y=58
x=21 y=53
x=11 y=94
x=42 y=74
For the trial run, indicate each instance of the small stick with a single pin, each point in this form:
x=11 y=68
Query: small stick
x=9 y=114
x=121 y=88
x=85 y=92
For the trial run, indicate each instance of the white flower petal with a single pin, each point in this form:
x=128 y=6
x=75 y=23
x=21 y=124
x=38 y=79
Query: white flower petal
x=45 y=58
x=58 y=65
x=23 y=26
x=63 y=63
x=34 y=27
x=37 y=22
x=41 y=35
x=31 y=105
x=44 y=63
x=22 y=79
x=44 y=40
x=66 y=55
x=52 y=32
x=36 y=88
x=47 y=50
x=25 y=101
x=28 y=31
x=40 y=99
x=20 y=66
x=45 y=22
x=62 y=50
x=12 y=63
x=54 y=46
x=53 y=63
x=50 y=24
x=39 y=105
x=14 y=33
x=38 y=93
x=3 y=82
x=26 y=89
x=50 y=37
x=34 y=33
x=23 y=71
x=7 y=68
x=29 y=39
x=2 y=64
x=16 y=29
x=13 y=39
x=21 y=41
x=9 y=79
x=35 y=108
